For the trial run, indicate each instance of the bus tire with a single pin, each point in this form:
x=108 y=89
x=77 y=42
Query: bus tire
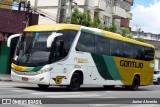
x=135 y=84
x=75 y=83
x=41 y=86
x=158 y=81
x=108 y=86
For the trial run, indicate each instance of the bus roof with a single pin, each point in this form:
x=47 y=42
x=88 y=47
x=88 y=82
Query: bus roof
x=122 y=38
x=51 y=27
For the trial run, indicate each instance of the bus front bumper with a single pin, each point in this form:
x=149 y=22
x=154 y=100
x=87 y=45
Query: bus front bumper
x=43 y=78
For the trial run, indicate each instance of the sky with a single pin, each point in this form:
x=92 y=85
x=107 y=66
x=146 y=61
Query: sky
x=146 y=16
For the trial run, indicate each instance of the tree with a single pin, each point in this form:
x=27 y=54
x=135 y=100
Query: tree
x=140 y=39
x=112 y=28
x=126 y=32
x=84 y=18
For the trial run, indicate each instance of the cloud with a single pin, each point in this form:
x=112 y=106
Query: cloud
x=148 y=18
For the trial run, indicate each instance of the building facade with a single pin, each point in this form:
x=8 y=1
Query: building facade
x=108 y=11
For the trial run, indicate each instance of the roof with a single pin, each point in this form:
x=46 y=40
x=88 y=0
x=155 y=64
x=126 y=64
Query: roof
x=51 y=27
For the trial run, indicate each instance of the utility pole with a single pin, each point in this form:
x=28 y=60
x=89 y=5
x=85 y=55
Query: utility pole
x=86 y=5
x=28 y=14
x=138 y=29
x=35 y=5
x=69 y=13
x=61 y=11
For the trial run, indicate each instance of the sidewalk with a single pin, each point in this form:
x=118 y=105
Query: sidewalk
x=5 y=77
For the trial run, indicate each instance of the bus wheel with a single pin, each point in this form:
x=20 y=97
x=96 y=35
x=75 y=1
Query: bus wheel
x=158 y=81
x=75 y=83
x=135 y=84
x=43 y=86
x=108 y=86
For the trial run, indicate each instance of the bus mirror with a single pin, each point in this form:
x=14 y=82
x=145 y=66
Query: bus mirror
x=10 y=38
x=50 y=39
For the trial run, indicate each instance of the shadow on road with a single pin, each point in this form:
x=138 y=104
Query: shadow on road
x=83 y=89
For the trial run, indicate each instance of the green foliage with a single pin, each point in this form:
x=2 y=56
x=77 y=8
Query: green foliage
x=125 y=32
x=112 y=28
x=76 y=16
x=107 y=28
x=84 y=19
x=140 y=39
x=130 y=36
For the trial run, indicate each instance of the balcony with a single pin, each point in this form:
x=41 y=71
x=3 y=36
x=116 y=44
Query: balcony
x=129 y=1
x=123 y=4
x=124 y=22
x=100 y=5
x=118 y=12
x=129 y=16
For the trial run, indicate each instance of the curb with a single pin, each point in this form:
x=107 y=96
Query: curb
x=5 y=80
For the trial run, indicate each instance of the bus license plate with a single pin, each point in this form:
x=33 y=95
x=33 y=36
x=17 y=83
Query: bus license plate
x=24 y=78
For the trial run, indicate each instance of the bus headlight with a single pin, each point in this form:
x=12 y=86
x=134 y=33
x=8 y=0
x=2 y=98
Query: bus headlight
x=44 y=70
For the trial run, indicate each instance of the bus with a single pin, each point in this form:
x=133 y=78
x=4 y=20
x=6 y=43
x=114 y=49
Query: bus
x=73 y=55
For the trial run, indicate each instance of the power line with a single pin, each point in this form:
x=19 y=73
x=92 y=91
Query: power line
x=32 y=10
x=40 y=12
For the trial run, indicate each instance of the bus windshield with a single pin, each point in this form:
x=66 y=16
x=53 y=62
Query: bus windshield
x=32 y=47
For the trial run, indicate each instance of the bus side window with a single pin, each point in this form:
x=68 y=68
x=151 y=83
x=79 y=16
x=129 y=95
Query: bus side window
x=128 y=50
x=101 y=45
x=86 y=43
x=149 y=54
x=115 y=48
x=140 y=54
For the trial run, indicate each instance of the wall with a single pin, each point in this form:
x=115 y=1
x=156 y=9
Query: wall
x=11 y=21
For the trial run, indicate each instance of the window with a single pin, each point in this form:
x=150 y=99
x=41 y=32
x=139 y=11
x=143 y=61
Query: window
x=101 y=45
x=139 y=52
x=115 y=47
x=128 y=50
x=106 y=20
x=149 y=54
x=108 y=2
x=96 y=14
x=68 y=37
x=62 y=45
x=86 y=42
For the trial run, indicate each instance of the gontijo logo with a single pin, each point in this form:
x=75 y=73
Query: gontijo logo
x=133 y=64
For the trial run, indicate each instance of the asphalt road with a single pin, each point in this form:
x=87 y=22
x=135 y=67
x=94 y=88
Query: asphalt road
x=92 y=94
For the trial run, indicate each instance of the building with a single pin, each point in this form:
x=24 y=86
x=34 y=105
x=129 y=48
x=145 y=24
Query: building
x=112 y=11
x=109 y=11
x=153 y=39
x=11 y=22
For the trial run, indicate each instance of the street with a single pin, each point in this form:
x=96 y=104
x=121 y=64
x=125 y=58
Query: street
x=25 y=90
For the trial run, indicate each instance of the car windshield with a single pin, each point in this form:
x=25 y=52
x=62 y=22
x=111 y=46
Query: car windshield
x=156 y=72
x=32 y=47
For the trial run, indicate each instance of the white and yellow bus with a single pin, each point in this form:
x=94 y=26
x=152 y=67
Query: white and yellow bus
x=73 y=55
